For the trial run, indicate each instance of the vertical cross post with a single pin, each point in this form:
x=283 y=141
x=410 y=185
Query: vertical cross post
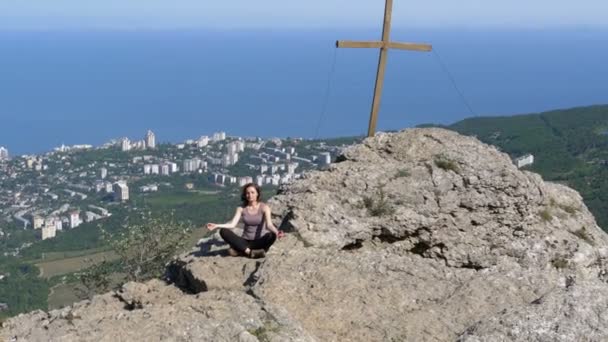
x=385 y=44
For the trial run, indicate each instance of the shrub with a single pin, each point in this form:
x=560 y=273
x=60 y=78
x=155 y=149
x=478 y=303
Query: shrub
x=570 y=209
x=545 y=215
x=446 y=164
x=559 y=263
x=582 y=234
x=378 y=206
x=143 y=248
x=402 y=173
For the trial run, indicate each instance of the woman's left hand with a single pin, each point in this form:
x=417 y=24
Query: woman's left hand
x=280 y=234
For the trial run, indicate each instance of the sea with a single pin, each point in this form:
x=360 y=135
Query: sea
x=87 y=87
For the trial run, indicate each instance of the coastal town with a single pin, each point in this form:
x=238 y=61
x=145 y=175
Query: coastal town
x=59 y=190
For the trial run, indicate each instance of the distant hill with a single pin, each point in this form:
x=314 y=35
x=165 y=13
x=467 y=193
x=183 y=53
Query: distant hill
x=569 y=146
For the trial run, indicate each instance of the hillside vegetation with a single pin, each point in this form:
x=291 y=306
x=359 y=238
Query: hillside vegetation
x=569 y=146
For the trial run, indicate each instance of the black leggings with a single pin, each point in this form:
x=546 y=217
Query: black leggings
x=240 y=244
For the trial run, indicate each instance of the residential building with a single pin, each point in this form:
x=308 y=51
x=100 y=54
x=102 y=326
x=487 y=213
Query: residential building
x=150 y=140
x=191 y=165
x=48 y=231
x=125 y=144
x=245 y=180
x=291 y=168
x=37 y=222
x=231 y=148
x=525 y=160
x=165 y=169
x=324 y=158
x=121 y=191
x=259 y=180
x=74 y=219
x=202 y=141
x=219 y=136
x=3 y=153
x=103 y=173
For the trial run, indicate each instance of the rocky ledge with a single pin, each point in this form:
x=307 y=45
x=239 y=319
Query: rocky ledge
x=422 y=235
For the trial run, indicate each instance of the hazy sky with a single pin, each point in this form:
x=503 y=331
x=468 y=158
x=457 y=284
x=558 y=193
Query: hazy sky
x=234 y=14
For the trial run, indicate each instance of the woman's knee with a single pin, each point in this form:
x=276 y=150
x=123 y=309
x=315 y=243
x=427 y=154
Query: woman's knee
x=224 y=232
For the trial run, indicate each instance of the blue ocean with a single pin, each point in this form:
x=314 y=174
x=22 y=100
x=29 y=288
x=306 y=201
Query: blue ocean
x=88 y=87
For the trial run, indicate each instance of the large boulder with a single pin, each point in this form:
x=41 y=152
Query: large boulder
x=422 y=235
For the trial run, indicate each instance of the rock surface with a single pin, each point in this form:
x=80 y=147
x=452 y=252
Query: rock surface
x=422 y=235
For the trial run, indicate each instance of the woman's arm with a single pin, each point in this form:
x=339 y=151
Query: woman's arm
x=269 y=224
x=231 y=224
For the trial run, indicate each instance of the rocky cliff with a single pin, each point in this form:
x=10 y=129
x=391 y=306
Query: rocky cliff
x=422 y=235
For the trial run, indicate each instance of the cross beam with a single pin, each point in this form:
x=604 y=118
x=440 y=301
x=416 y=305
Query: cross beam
x=384 y=45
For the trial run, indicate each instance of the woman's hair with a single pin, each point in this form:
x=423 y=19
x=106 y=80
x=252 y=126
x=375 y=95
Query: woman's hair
x=244 y=193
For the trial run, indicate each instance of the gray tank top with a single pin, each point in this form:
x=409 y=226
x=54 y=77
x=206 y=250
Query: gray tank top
x=255 y=225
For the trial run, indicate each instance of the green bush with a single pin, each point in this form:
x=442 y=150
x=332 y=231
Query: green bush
x=545 y=215
x=446 y=164
x=378 y=206
x=582 y=234
x=402 y=173
x=144 y=247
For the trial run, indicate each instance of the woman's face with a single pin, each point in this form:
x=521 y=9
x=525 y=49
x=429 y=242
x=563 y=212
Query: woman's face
x=251 y=194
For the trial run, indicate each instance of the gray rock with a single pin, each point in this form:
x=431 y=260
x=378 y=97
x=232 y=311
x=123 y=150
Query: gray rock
x=422 y=235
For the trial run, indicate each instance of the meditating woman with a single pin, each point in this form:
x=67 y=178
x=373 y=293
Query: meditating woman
x=258 y=234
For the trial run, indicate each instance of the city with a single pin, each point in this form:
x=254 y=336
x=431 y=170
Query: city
x=71 y=185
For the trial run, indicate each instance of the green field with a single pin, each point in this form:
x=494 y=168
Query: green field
x=180 y=199
x=49 y=269
x=51 y=256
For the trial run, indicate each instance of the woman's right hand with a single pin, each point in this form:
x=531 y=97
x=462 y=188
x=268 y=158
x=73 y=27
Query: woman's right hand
x=211 y=226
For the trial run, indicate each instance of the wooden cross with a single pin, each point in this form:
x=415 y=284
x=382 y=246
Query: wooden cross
x=384 y=45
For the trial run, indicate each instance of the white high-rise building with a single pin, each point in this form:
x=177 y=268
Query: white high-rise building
x=219 y=136
x=49 y=231
x=74 y=219
x=231 y=148
x=121 y=191
x=245 y=180
x=325 y=158
x=3 y=153
x=125 y=144
x=173 y=167
x=259 y=180
x=202 y=141
x=226 y=160
x=191 y=165
x=234 y=158
x=103 y=173
x=58 y=225
x=150 y=139
x=165 y=169
x=37 y=222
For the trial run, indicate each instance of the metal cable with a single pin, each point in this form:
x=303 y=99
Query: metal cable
x=327 y=93
x=460 y=93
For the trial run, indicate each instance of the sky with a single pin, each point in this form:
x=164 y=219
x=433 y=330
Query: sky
x=308 y=14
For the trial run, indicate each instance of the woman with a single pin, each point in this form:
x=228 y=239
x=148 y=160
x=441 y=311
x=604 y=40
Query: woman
x=258 y=234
